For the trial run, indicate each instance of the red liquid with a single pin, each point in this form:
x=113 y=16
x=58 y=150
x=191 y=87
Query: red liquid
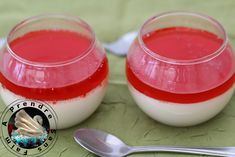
x=49 y=47
x=183 y=44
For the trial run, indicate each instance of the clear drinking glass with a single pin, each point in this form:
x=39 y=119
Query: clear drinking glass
x=180 y=68
x=58 y=60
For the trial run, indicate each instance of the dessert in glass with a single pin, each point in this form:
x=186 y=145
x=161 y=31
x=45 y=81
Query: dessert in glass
x=180 y=68
x=58 y=60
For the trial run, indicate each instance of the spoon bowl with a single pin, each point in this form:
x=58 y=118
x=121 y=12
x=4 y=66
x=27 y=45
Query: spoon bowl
x=101 y=143
x=120 y=46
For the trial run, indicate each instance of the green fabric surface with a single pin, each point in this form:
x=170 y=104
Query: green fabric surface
x=118 y=114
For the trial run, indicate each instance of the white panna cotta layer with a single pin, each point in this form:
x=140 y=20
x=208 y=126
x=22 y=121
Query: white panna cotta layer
x=177 y=114
x=69 y=112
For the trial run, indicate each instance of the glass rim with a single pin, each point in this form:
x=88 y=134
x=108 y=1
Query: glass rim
x=54 y=16
x=186 y=61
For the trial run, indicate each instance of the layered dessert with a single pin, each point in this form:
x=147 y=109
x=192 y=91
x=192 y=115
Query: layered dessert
x=65 y=69
x=181 y=76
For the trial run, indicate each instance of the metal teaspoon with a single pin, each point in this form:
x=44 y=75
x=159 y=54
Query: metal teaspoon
x=107 y=145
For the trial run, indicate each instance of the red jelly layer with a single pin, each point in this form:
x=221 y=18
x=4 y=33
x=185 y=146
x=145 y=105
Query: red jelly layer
x=174 y=97
x=181 y=43
x=62 y=93
x=48 y=46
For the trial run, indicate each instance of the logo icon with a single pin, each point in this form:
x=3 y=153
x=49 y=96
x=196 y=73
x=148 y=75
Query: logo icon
x=28 y=128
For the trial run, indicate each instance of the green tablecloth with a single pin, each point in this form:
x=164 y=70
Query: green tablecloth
x=118 y=113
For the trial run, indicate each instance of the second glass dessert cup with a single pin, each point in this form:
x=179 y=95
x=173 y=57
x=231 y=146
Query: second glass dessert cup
x=180 y=69
x=55 y=59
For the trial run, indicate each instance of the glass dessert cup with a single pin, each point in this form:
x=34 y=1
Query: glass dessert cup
x=180 y=69
x=54 y=59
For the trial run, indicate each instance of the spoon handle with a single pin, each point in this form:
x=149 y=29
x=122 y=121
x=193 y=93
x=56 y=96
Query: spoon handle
x=216 y=151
